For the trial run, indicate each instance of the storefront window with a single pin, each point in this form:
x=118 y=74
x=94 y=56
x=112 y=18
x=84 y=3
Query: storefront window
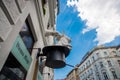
x=12 y=70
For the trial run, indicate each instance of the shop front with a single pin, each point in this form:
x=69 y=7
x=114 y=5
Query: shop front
x=17 y=63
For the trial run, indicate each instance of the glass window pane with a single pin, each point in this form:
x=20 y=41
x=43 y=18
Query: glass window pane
x=27 y=36
x=12 y=70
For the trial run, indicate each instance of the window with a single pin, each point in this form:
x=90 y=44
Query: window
x=88 y=62
x=80 y=77
x=88 y=73
x=81 y=69
x=12 y=70
x=91 y=72
x=105 y=76
x=98 y=77
x=98 y=55
x=93 y=58
x=119 y=62
x=85 y=74
x=105 y=53
x=114 y=51
x=96 y=67
x=27 y=36
x=101 y=64
x=83 y=66
x=114 y=74
x=109 y=63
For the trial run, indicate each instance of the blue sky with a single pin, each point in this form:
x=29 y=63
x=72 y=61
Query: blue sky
x=84 y=35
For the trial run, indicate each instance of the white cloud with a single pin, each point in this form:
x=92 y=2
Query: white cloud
x=102 y=15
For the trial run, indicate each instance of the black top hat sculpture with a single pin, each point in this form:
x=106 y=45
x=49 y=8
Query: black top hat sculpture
x=56 y=55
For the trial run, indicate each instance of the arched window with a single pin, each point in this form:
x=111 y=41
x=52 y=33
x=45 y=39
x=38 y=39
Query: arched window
x=105 y=76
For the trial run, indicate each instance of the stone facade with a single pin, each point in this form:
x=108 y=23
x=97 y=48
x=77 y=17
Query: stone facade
x=102 y=63
x=15 y=15
x=73 y=75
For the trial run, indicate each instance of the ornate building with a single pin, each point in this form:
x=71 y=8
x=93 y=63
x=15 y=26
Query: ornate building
x=73 y=74
x=102 y=63
x=23 y=28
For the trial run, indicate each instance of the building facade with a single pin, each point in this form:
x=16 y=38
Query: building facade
x=73 y=74
x=102 y=63
x=23 y=28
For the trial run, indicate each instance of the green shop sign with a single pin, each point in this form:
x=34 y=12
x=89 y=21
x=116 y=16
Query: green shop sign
x=21 y=53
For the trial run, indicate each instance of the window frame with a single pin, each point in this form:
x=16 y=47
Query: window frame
x=114 y=74
x=105 y=75
x=109 y=63
x=28 y=22
x=9 y=71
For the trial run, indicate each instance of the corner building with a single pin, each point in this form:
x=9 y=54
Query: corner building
x=101 y=63
x=23 y=24
x=73 y=74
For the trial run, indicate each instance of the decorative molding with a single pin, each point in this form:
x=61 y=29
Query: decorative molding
x=52 y=11
x=20 y=5
x=32 y=27
x=5 y=27
x=37 y=5
x=10 y=9
x=98 y=60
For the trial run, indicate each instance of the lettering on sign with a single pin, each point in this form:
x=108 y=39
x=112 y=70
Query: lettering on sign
x=20 y=50
x=22 y=53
